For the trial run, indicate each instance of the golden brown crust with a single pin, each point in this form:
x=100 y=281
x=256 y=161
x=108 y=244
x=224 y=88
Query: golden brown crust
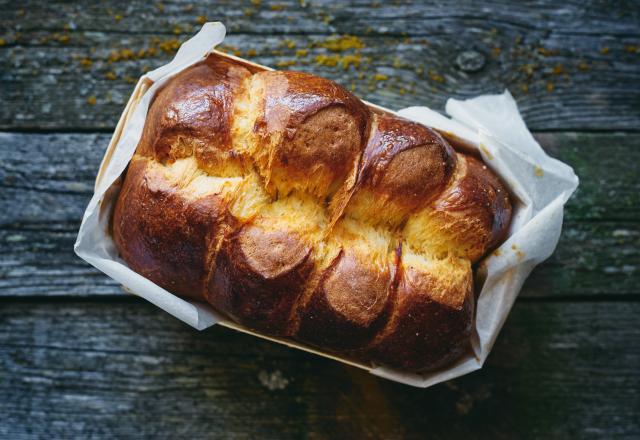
x=405 y=165
x=319 y=129
x=161 y=234
x=283 y=201
x=334 y=317
x=431 y=322
x=259 y=275
x=406 y=160
x=468 y=219
x=479 y=195
x=191 y=115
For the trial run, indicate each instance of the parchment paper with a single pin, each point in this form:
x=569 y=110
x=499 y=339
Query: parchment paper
x=540 y=186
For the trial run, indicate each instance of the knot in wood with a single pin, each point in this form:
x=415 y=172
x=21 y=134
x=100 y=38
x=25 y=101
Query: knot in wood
x=470 y=61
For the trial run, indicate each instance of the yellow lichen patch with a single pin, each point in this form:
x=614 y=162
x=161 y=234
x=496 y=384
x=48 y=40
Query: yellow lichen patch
x=121 y=55
x=341 y=43
x=91 y=100
x=86 y=62
x=434 y=76
x=528 y=69
x=332 y=60
x=547 y=52
x=327 y=60
x=169 y=46
x=287 y=43
x=350 y=60
x=286 y=63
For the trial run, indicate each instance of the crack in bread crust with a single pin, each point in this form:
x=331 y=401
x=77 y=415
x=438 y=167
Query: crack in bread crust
x=283 y=201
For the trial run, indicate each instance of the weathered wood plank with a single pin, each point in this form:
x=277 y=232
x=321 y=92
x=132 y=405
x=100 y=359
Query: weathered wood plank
x=273 y=17
x=570 y=67
x=123 y=369
x=608 y=165
x=46 y=181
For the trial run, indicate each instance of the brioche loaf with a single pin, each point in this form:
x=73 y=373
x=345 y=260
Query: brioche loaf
x=293 y=208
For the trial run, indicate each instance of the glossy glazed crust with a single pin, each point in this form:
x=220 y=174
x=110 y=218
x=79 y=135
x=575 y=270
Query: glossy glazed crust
x=283 y=201
x=192 y=117
x=163 y=235
x=312 y=130
x=334 y=317
x=259 y=275
x=479 y=194
x=406 y=162
x=404 y=166
x=427 y=327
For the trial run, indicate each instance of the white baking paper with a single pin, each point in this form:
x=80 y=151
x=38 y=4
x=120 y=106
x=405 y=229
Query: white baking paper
x=491 y=124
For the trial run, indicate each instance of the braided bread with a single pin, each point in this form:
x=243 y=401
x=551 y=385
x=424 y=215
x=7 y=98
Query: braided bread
x=292 y=207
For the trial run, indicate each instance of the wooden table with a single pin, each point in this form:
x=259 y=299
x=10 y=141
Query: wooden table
x=79 y=358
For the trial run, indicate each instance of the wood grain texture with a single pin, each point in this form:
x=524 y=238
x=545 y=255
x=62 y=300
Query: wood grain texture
x=46 y=182
x=69 y=65
x=125 y=369
x=112 y=366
